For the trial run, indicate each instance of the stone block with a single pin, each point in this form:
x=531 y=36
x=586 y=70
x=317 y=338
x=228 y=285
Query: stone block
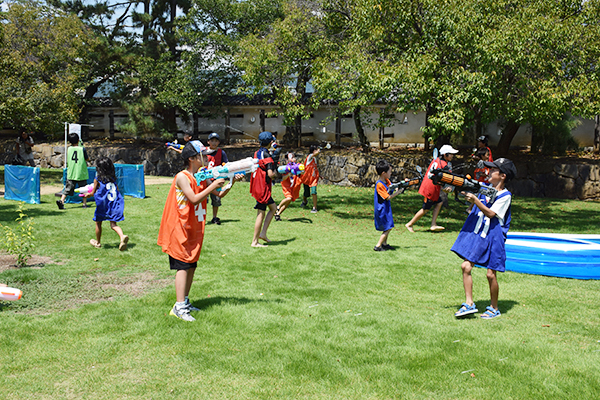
x=43 y=163
x=559 y=187
x=567 y=170
x=589 y=190
x=57 y=161
x=47 y=151
x=58 y=150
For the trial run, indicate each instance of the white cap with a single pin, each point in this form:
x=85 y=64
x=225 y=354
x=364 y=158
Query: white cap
x=448 y=149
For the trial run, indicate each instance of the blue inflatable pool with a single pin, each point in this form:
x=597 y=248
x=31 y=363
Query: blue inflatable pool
x=553 y=254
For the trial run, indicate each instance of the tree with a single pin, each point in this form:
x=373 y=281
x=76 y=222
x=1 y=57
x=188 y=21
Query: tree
x=42 y=57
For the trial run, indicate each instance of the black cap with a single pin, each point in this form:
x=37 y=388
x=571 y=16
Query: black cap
x=504 y=165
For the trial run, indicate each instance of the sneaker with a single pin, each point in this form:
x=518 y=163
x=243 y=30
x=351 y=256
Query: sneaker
x=84 y=206
x=95 y=243
x=216 y=220
x=377 y=248
x=182 y=313
x=387 y=247
x=466 y=309
x=123 y=244
x=60 y=204
x=277 y=217
x=303 y=204
x=490 y=313
x=314 y=211
x=190 y=307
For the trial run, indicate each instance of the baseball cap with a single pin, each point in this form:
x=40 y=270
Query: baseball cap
x=504 y=165
x=214 y=135
x=265 y=138
x=448 y=149
x=194 y=147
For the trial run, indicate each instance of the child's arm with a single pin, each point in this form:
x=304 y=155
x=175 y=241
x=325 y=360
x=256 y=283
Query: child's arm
x=93 y=192
x=471 y=198
x=195 y=198
x=226 y=188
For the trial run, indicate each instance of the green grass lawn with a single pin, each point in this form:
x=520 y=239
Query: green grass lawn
x=316 y=315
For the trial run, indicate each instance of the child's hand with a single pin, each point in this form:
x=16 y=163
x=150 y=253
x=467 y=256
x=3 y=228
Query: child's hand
x=238 y=177
x=469 y=196
x=219 y=182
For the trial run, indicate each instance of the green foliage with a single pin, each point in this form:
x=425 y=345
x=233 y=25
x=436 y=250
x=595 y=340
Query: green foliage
x=41 y=57
x=555 y=136
x=19 y=241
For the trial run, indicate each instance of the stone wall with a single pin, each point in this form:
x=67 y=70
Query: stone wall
x=566 y=179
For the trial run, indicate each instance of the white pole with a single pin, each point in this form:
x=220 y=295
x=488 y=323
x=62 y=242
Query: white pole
x=65 y=156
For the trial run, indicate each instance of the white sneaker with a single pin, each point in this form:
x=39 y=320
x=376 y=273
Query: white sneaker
x=182 y=313
x=314 y=211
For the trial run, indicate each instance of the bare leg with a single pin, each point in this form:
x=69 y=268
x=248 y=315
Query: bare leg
x=436 y=212
x=98 y=231
x=414 y=219
x=383 y=238
x=268 y=218
x=467 y=266
x=181 y=279
x=494 y=289
x=284 y=204
x=188 y=282
x=215 y=210
x=314 y=198
x=117 y=229
x=260 y=216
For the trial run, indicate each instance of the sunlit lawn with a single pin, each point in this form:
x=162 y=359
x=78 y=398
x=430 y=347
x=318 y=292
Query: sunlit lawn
x=317 y=314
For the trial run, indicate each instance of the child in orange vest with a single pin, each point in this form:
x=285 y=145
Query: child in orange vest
x=311 y=178
x=182 y=226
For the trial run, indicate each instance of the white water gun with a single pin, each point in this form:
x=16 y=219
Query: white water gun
x=8 y=293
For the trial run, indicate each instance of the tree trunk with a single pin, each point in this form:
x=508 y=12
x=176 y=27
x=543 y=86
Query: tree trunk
x=227 y=131
x=508 y=133
x=360 y=130
x=428 y=113
x=262 y=120
x=298 y=130
x=597 y=134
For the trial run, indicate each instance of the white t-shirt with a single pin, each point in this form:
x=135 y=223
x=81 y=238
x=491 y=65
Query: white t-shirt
x=500 y=206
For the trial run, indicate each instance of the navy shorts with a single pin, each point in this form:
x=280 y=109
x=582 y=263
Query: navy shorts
x=263 y=206
x=180 y=265
x=427 y=204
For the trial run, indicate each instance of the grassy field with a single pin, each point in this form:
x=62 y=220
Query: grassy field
x=317 y=314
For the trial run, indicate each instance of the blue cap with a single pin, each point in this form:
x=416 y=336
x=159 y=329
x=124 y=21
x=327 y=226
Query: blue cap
x=214 y=135
x=265 y=138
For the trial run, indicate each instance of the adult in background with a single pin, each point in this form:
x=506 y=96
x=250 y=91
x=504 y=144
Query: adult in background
x=24 y=148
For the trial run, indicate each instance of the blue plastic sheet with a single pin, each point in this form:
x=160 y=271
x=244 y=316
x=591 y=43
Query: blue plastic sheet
x=22 y=183
x=130 y=181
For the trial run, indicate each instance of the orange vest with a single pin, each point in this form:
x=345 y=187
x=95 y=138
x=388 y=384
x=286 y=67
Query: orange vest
x=428 y=189
x=182 y=226
x=291 y=187
x=311 y=173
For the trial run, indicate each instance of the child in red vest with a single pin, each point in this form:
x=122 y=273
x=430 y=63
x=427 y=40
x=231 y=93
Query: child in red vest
x=311 y=178
x=260 y=188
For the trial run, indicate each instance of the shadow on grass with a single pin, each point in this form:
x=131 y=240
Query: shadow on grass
x=281 y=242
x=205 y=304
x=301 y=220
x=8 y=211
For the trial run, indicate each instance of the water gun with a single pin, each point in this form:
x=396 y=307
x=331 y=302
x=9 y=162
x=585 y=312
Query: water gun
x=84 y=189
x=8 y=293
x=175 y=145
x=229 y=170
x=405 y=184
x=464 y=183
x=291 y=168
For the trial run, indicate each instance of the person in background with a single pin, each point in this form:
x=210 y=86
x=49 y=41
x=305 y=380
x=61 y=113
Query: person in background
x=24 y=148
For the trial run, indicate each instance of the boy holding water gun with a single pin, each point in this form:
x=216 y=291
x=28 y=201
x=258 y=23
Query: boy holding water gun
x=215 y=159
x=482 y=237
x=384 y=221
x=181 y=230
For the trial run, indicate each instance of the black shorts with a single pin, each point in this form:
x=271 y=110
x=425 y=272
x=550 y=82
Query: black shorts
x=263 y=206
x=180 y=265
x=71 y=185
x=215 y=200
x=427 y=204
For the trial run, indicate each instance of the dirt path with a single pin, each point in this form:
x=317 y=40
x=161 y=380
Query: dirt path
x=148 y=180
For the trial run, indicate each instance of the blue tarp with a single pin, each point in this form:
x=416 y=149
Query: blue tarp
x=130 y=181
x=22 y=183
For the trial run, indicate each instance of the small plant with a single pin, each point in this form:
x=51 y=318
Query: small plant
x=20 y=240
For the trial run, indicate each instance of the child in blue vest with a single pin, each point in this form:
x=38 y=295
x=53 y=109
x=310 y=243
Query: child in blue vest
x=384 y=221
x=481 y=239
x=109 y=202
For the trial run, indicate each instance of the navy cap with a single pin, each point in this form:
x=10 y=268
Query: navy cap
x=504 y=165
x=265 y=138
x=214 y=135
